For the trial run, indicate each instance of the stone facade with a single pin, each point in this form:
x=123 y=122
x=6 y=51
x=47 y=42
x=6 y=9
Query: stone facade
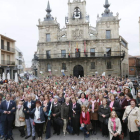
x=80 y=49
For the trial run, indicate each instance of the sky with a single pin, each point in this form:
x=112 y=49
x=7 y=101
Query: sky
x=18 y=20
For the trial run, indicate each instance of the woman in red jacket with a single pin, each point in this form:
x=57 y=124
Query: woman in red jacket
x=84 y=120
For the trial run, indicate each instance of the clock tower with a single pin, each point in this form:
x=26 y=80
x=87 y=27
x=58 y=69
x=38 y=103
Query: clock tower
x=77 y=22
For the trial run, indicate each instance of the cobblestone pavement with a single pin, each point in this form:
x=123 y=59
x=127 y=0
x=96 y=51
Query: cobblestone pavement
x=67 y=137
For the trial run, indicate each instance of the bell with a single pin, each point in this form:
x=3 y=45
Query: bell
x=77 y=13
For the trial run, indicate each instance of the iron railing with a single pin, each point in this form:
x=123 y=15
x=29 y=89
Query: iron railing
x=6 y=62
x=80 y=55
x=7 y=48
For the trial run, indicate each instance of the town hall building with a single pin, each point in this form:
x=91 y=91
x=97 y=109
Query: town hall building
x=80 y=49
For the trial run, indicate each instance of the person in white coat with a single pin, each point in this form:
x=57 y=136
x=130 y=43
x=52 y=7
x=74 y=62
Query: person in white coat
x=133 y=114
x=82 y=100
x=114 y=126
x=20 y=118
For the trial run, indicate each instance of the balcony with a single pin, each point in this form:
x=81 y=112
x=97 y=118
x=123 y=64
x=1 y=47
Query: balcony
x=80 y=55
x=6 y=62
x=9 y=49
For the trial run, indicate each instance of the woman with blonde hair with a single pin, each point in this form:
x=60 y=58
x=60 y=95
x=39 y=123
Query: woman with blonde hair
x=84 y=120
x=114 y=126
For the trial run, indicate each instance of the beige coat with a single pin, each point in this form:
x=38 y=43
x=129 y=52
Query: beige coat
x=19 y=113
x=134 y=115
x=118 y=127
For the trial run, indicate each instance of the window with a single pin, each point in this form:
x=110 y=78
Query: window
x=77 y=13
x=48 y=67
x=48 y=54
x=8 y=46
x=92 y=52
x=2 y=44
x=109 y=65
x=63 y=53
x=8 y=59
x=64 y=66
x=108 y=34
x=77 y=52
x=124 y=43
x=108 y=51
x=92 y=65
x=48 y=39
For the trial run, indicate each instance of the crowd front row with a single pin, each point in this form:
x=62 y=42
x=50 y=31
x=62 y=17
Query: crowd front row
x=112 y=115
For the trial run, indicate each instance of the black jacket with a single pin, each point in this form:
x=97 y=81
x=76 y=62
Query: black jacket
x=104 y=111
x=117 y=107
x=26 y=109
x=56 y=109
x=77 y=110
x=65 y=111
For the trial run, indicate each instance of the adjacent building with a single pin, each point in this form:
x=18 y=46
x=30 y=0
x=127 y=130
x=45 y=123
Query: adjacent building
x=20 y=64
x=134 y=66
x=7 y=56
x=81 y=49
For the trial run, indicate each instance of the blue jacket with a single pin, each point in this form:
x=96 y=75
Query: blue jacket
x=12 y=108
x=42 y=114
x=26 y=109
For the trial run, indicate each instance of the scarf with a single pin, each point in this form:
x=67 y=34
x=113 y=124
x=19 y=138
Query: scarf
x=37 y=113
x=74 y=105
x=114 y=123
x=83 y=114
x=55 y=103
x=82 y=100
x=111 y=104
x=93 y=104
x=67 y=104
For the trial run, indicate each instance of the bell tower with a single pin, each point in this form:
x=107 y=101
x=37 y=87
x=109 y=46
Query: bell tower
x=77 y=21
x=77 y=12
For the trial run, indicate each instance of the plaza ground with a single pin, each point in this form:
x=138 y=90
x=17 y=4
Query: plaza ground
x=16 y=136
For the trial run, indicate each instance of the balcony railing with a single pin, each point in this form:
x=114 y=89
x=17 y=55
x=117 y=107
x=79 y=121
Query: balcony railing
x=6 y=48
x=80 y=55
x=6 y=62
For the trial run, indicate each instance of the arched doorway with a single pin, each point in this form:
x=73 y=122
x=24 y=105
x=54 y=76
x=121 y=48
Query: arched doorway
x=78 y=70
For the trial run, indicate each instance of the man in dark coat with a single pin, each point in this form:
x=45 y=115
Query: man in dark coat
x=7 y=109
x=30 y=105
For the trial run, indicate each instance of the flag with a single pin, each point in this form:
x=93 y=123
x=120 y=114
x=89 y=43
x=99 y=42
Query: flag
x=77 y=50
x=69 y=49
x=85 y=47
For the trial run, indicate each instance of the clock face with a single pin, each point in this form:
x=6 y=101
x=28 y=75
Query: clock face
x=77 y=13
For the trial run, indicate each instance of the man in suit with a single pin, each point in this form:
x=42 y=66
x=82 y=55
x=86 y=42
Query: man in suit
x=7 y=109
x=29 y=117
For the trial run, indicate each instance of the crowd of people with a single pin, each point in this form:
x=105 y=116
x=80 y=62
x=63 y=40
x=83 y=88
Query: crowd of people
x=73 y=105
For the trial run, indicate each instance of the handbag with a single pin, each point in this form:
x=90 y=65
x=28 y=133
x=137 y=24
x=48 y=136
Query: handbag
x=121 y=136
x=69 y=128
x=21 y=119
x=126 y=119
x=89 y=127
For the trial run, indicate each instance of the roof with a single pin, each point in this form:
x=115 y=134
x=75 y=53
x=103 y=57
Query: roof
x=7 y=38
x=130 y=56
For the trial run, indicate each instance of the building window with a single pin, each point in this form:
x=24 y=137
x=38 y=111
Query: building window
x=63 y=53
x=109 y=65
x=64 y=66
x=92 y=65
x=48 y=67
x=123 y=43
x=8 y=46
x=108 y=34
x=48 y=53
x=8 y=59
x=77 y=52
x=48 y=39
x=2 y=44
x=92 y=52
x=108 y=51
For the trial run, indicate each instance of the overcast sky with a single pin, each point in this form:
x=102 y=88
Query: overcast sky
x=18 y=20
